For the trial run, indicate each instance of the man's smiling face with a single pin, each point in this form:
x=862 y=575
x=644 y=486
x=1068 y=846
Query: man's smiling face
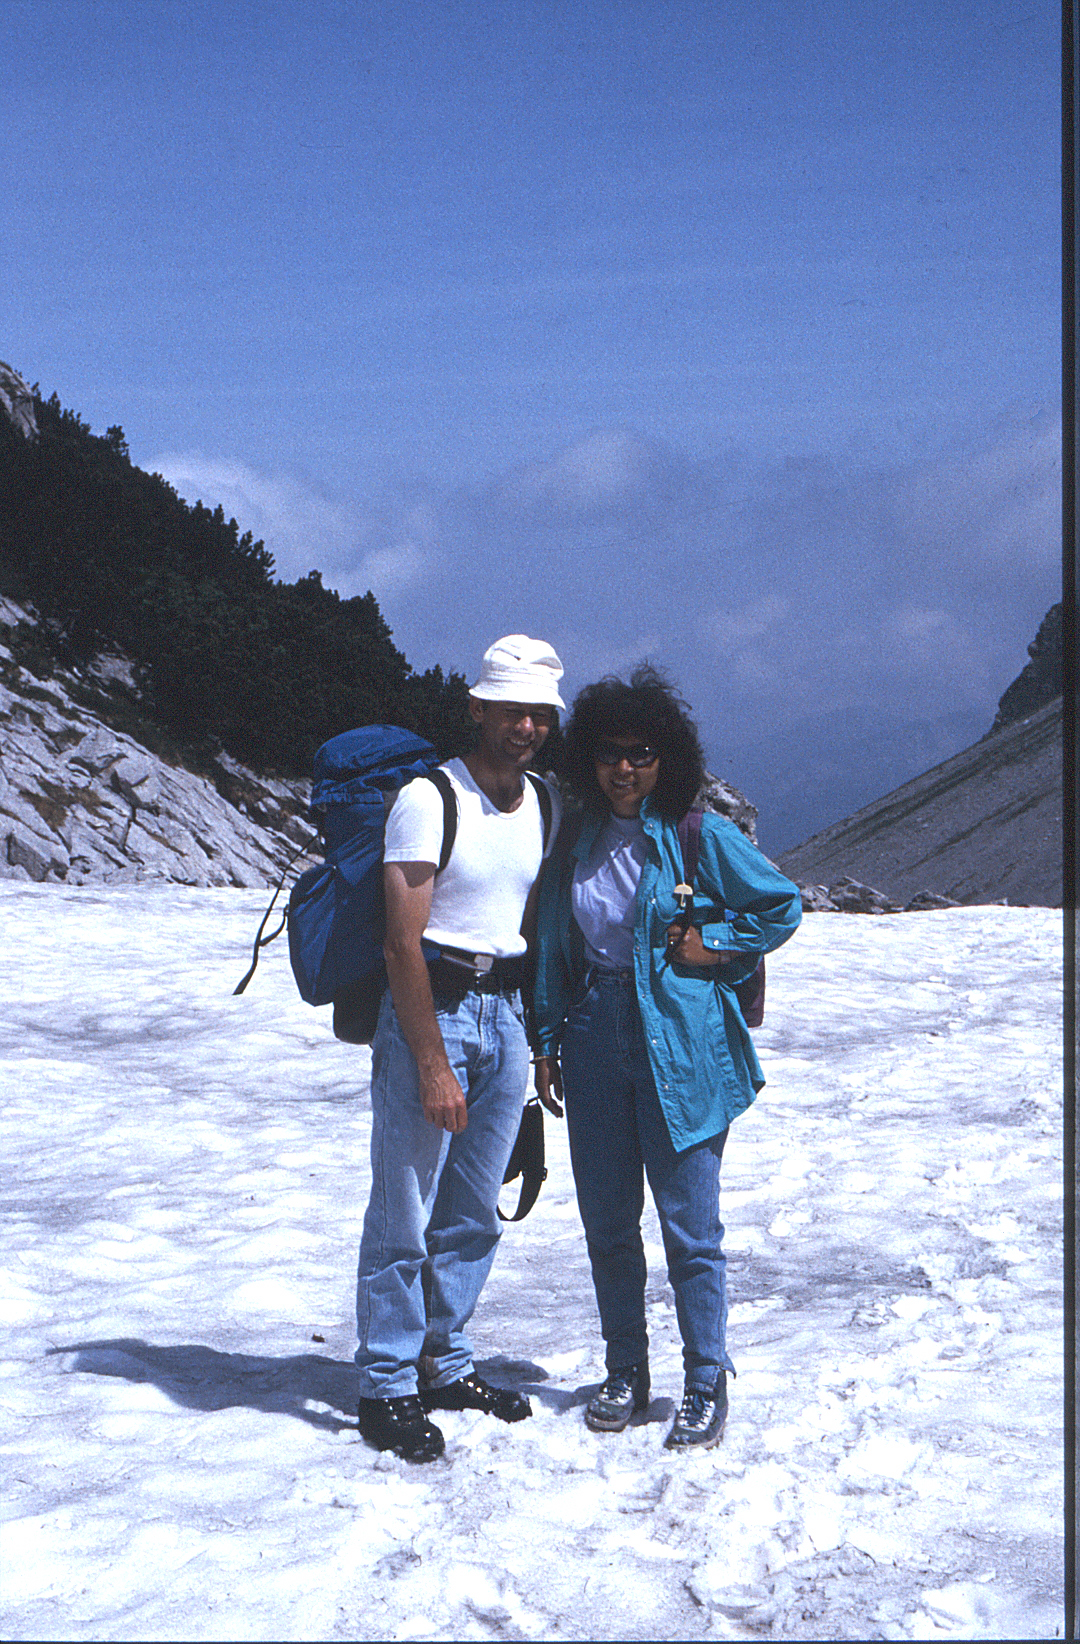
x=512 y=732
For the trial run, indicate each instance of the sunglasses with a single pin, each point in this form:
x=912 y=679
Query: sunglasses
x=638 y=754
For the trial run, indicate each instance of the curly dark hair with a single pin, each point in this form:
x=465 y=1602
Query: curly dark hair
x=648 y=707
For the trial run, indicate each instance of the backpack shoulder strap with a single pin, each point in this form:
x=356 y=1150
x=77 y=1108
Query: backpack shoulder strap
x=262 y=941
x=450 y=813
x=689 y=830
x=543 y=799
x=450 y=809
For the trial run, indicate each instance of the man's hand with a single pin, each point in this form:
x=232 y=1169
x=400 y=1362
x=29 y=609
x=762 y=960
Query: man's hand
x=443 y=1100
x=549 y=1084
x=687 y=947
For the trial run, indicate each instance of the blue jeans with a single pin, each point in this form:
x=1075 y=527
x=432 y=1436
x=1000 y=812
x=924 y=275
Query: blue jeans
x=432 y=1226
x=618 y=1132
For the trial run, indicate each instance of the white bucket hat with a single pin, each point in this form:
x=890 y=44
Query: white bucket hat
x=519 y=669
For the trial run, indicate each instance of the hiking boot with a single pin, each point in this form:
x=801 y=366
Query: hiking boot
x=472 y=1392
x=400 y=1425
x=624 y=1392
x=701 y=1417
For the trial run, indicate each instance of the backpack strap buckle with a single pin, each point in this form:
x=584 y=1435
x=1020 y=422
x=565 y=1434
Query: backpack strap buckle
x=480 y=963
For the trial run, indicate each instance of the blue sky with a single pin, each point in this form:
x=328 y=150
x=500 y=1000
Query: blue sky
x=726 y=334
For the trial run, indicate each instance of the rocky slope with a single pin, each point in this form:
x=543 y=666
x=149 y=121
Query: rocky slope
x=1040 y=681
x=985 y=826
x=83 y=800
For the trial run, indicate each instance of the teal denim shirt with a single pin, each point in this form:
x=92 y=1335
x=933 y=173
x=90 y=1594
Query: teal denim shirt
x=702 y=1056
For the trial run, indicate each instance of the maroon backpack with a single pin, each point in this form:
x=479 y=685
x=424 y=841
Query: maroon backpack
x=751 y=993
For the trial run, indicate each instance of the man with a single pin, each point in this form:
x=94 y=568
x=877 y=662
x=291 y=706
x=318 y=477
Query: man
x=450 y=1060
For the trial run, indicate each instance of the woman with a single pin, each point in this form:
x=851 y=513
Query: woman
x=639 y=1031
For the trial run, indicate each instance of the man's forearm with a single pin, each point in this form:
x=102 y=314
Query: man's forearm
x=410 y=989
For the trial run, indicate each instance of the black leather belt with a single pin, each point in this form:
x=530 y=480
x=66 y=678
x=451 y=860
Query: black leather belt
x=457 y=971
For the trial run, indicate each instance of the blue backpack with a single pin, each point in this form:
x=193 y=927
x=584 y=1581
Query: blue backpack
x=335 y=912
x=336 y=915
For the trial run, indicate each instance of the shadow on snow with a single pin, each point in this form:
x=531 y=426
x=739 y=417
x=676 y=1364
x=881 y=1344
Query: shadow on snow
x=307 y=1386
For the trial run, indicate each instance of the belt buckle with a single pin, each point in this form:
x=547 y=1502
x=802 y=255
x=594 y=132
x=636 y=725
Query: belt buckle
x=482 y=963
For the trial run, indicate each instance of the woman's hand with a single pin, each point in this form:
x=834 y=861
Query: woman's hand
x=549 y=1084
x=687 y=947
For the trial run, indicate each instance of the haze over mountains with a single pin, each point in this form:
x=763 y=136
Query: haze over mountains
x=231 y=667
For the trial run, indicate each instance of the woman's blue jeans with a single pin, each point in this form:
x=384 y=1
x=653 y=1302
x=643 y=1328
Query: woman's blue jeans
x=618 y=1135
x=432 y=1225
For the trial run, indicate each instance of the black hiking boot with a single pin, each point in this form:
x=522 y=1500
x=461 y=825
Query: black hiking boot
x=700 y=1421
x=400 y=1425
x=472 y=1392
x=623 y=1393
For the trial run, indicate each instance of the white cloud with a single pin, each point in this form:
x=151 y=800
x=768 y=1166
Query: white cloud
x=734 y=630
x=605 y=469
x=989 y=507
x=925 y=643
x=303 y=530
x=752 y=642
x=392 y=571
x=355 y=550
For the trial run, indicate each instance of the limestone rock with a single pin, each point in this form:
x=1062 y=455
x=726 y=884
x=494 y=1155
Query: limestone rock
x=17 y=402
x=726 y=800
x=816 y=899
x=84 y=802
x=1042 y=679
x=848 y=896
x=97 y=750
x=21 y=853
x=135 y=777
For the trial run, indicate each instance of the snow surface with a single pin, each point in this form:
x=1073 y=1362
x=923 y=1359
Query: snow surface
x=187 y=1175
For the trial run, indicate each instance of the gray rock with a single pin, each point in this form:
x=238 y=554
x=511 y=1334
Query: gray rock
x=848 y=896
x=98 y=749
x=17 y=402
x=816 y=899
x=115 y=670
x=726 y=800
x=138 y=781
x=15 y=808
x=38 y=859
x=84 y=800
x=927 y=900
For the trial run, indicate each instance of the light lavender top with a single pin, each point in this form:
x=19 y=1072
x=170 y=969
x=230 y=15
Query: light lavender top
x=603 y=892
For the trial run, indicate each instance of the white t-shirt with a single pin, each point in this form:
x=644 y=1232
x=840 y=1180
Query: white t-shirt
x=604 y=890
x=478 y=900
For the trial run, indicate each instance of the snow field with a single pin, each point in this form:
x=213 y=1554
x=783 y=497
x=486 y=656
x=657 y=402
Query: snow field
x=187 y=1174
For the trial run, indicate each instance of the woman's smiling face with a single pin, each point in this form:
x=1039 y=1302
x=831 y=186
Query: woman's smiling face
x=623 y=784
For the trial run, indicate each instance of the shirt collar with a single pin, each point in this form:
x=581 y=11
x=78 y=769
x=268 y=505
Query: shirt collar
x=650 y=816
x=593 y=824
